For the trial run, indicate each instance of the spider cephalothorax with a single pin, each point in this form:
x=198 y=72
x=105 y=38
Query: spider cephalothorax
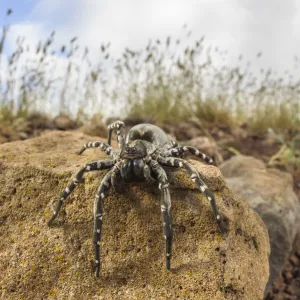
x=142 y=156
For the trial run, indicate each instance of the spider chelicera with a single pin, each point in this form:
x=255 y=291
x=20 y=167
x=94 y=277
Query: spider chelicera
x=142 y=156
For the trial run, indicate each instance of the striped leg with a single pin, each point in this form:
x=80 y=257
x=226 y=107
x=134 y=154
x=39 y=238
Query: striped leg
x=119 y=125
x=93 y=166
x=98 y=214
x=165 y=208
x=170 y=145
x=177 y=162
x=178 y=151
x=103 y=146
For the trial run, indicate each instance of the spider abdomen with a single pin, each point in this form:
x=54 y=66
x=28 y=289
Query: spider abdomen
x=149 y=133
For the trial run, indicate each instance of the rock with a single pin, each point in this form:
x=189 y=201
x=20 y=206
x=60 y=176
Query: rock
x=22 y=125
x=3 y=139
x=34 y=122
x=7 y=134
x=23 y=135
x=95 y=129
x=64 y=122
x=32 y=125
x=204 y=144
x=294 y=288
x=183 y=130
x=239 y=133
x=207 y=146
x=270 y=193
x=94 y=126
x=38 y=262
x=294 y=260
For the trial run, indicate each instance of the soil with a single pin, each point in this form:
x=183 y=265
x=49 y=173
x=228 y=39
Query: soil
x=287 y=287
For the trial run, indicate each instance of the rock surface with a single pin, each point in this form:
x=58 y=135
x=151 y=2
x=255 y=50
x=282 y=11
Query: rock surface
x=38 y=262
x=64 y=122
x=270 y=193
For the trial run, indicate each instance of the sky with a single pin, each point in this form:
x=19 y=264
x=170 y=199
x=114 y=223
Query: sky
x=239 y=26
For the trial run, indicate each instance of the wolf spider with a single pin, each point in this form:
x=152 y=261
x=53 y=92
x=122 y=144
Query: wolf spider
x=143 y=154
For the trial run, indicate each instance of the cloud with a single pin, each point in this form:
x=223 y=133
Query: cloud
x=239 y=26
x=30 y=31
x=133 y=22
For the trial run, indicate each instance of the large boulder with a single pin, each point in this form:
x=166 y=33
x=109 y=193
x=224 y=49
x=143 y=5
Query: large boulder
x=38 y=262
x=270 y=193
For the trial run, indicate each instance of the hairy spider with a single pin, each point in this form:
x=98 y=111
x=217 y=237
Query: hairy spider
x=142 y=156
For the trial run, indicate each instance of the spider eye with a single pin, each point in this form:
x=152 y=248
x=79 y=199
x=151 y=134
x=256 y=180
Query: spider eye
x=131 y=150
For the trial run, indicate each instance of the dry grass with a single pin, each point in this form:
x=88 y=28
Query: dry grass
x=171 y=80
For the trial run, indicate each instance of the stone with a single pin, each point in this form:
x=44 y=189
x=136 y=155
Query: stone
x=288 y=277
x=7 y=134
x=63 y=122
x=294 y=288
x=294 y=260
x=207 y=146
x=94 y=126
x=94 y=129
x=38 y=262
x=204 y=144
x=270 y=193
x=183 y=130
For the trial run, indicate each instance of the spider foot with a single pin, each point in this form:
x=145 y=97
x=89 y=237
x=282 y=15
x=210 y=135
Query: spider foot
x=79 y=152
x=77 y=180
x=50 y=222
x=81 y=180
x=97 y=271
x=222 y=227
x=168 y=264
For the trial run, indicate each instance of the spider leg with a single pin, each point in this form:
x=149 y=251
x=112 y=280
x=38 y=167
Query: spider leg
x=119 y=125
x=118 y=182
x=103 y=146
x=147 y=174
x=102 y=192
x=177 y=162
x=170 y=145
x=92 y=166
x=165 y=207
x=178 y=151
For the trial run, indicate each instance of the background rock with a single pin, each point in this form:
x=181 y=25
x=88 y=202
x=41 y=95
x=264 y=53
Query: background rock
x=207 y=146
x=64 y=122
x=95 y=129
x=270 y=193
x=183 y=130
x=204 y=144
x=38 y=262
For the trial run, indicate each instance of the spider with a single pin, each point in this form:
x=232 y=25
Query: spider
x=143 y=154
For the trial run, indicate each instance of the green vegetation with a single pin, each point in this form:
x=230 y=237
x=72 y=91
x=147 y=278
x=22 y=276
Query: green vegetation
x=288 y=154
x=170 y=79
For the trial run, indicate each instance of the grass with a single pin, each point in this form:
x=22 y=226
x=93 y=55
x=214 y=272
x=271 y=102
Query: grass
x=167 y=80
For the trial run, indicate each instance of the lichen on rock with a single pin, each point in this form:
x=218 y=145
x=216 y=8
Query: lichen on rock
x=38 y=262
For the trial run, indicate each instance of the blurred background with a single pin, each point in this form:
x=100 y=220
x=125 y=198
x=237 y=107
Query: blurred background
x=223 y=76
